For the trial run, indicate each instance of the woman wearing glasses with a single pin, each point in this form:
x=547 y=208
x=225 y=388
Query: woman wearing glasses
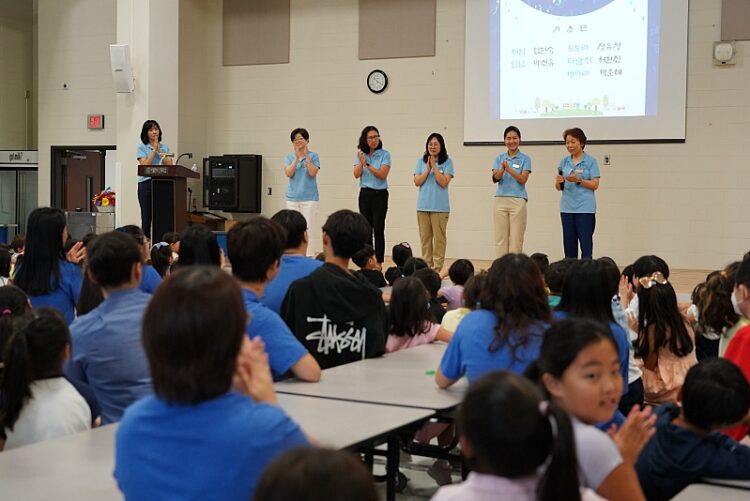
x=578 y=179
x=151 y=151
x=432 y=175
x=666 y=345
x=301 y=167
x=371 y=168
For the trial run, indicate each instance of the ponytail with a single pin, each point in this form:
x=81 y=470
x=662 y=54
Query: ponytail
x=17 y=379
x=559 y=480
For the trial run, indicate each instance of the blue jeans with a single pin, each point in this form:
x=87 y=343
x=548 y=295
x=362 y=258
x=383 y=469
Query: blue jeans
x=578 y=228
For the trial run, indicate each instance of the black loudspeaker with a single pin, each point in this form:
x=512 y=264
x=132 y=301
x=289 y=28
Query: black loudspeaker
x=232 y=183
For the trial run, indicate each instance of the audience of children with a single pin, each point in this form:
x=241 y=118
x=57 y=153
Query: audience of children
x=368 y=266
x=579 y=367
x=107 y=354
x=316 y=474
x=294 y=262
x=38 y=403
x=255 y=248
x=205 y=368
x=46 y=274
x=331 y=300
x=470 y=296
x=506 y=332
x=519 y=445
x=687 y=445
x=195 y=438
x=459 y=272
x=431 y=281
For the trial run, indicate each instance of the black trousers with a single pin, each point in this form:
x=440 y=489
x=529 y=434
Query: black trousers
x=373 y=204
x=144 y=199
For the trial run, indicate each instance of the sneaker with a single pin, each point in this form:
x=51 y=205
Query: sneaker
x=440 y=472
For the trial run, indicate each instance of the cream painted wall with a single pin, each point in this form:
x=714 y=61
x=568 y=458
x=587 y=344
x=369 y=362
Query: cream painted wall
x=73 y=41
x=17 y=130
x=686 y=202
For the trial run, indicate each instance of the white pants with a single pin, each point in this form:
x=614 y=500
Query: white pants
x=310 y=211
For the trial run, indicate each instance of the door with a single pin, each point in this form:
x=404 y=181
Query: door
x=82 y=178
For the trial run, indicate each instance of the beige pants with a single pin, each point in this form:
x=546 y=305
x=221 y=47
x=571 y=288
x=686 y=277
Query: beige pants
x=510 y=224
x=432 y=231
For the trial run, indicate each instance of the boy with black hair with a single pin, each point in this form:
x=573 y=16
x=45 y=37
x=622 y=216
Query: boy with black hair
x=400 y=253
x=106 y=350
x=431 y=281
x=541 y=261
x=368 y=264
x=687 y=445
x=459 y=272
x=554 y=277
x=338 y=316
x=295 y=263
x=255 y=248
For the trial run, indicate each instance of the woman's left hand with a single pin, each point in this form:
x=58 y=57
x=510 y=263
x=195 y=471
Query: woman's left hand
x=572 y=178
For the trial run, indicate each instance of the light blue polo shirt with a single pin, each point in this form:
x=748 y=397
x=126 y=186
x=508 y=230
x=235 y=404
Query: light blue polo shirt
x=433 y=197
x=144 y=150
x=302 y=186
x=508 y=186
x=576 y=199
x=368 y=179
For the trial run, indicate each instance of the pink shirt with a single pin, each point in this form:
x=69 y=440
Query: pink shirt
x=395 y=343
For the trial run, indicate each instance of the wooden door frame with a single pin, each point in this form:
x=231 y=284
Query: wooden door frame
x=57 y=154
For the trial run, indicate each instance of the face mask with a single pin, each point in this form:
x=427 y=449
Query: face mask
x=736 y=304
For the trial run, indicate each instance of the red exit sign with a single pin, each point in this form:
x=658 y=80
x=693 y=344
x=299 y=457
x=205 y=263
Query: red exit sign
x=96 y=121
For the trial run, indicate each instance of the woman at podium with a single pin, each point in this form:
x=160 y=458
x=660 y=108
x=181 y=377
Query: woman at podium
x=151 y=152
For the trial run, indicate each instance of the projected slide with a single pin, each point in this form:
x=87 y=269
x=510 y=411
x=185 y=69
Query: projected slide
x=619 y=66
x=572 y=58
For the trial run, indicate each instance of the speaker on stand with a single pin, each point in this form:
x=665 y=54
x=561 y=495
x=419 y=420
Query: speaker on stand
x=232 y=183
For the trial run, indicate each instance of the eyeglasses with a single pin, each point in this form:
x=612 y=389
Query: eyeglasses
x=370 y=138
x=656 y=278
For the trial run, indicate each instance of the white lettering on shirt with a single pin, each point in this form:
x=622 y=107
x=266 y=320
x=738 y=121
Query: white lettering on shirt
x=329 y=337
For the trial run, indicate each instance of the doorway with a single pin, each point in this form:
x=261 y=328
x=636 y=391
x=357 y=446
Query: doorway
x=78 y=173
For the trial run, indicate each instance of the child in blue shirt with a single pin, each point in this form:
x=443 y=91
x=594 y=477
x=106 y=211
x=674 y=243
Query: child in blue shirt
x=255 y=249
x=196 y=438
x=688 y=445
x=45 y=274
x=506 y=333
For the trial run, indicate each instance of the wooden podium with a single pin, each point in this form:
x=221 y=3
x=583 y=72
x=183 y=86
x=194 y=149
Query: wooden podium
x=168 y=197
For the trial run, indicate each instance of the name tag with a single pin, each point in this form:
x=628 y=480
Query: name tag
x=516 y=166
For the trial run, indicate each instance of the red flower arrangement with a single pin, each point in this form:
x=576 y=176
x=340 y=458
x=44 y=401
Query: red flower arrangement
x=105 y=200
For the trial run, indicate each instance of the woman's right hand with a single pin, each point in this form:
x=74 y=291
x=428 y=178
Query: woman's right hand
x=362 y=158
